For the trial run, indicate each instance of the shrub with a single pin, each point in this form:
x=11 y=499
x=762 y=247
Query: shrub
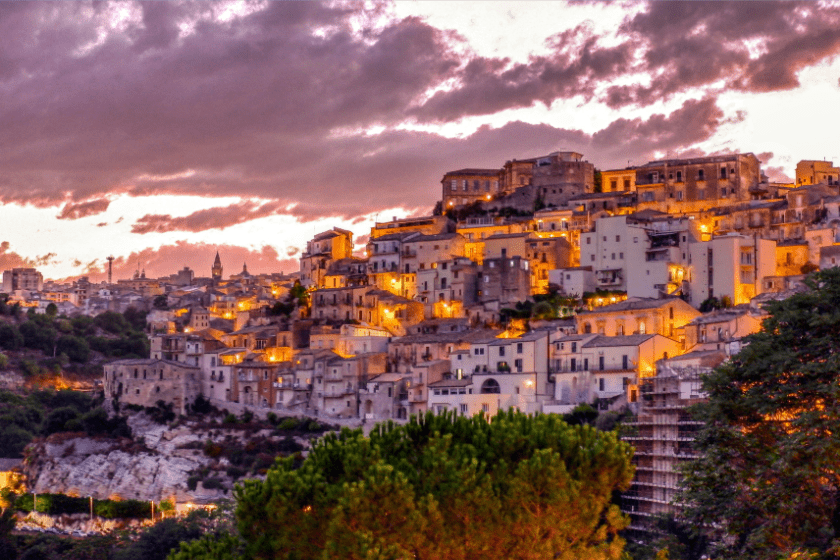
x=192 y=482
x=288 y=424
x=212 y=483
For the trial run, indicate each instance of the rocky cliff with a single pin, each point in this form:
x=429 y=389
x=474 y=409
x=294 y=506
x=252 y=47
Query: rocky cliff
x=153 y=467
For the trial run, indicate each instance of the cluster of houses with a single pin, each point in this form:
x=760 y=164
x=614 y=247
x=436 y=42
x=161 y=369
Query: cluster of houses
x=419 y=322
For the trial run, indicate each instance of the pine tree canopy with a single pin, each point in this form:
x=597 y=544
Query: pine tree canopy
x=440 y=487
x=769 y=475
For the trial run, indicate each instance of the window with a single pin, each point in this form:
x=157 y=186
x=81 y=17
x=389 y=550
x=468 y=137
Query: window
x=518 y=365
x=574 y=346
x=463 y=408
x=501 y=350
x=617 y=238
x=701 y=175
x=518 y=347
x=624 y=362
x=723 y=173
x=679 y=176
x=601 y=384
x=485 y=408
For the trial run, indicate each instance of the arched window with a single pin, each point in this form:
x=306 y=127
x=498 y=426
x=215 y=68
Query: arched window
x=490 y=386
x=587 y=328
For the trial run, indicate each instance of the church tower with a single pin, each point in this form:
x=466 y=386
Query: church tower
x=217 y=269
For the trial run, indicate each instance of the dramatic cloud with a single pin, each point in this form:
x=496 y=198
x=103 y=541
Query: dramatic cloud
x=751 y=46
x=211 y=218
x=74 y=211
x=305 y=104
x=10 y=259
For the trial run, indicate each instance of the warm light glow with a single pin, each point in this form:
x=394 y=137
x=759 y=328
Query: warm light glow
x=529 y=383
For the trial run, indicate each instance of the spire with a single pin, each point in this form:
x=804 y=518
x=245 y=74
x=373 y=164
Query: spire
x=216 y=271
x=244 y=268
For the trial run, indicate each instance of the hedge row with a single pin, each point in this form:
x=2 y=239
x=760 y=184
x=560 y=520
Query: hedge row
x=57 y=504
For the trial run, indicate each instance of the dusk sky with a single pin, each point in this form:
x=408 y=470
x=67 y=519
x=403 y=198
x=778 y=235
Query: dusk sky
x=160 y=132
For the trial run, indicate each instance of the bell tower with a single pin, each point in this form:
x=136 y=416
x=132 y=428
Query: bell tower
x=217 y=269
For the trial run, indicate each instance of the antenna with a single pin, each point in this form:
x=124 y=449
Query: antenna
x=110 y=268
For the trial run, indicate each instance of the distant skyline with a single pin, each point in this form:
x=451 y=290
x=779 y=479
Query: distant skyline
x=160 y=132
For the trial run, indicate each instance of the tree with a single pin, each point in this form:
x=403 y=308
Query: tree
x=769 y=475
x=161 y=302
x=444 y=487
x=76 y=348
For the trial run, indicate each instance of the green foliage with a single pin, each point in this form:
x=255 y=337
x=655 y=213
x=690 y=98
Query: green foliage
x=136 y=318
x=201 y=405
x=769 y=475
x=7 y=525
x=58 y=418
x=582 y=414
x=60 y=504
x=443 y=487
x=712 y=303
x=76 y=348
x=161 y=302
x=52 y=309
x=219 y=546
x=156 y=542
x=13 y=440
x=162 y=413
x=10 y=337
x=4 y=361
x=38 y=335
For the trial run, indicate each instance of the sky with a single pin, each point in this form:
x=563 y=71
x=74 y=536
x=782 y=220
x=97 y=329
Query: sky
x=161 y=132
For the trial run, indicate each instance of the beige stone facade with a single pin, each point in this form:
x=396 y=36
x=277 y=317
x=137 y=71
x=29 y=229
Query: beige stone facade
x=145 y=382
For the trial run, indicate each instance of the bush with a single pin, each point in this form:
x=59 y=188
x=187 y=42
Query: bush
x=77 y=349
x=288 y=424
x=201 y=405
x=212 y=483
x=230 y=419
x=58 y=419
x=235 y=472
x=13 y=440
x=192 y=482
x=10 y=337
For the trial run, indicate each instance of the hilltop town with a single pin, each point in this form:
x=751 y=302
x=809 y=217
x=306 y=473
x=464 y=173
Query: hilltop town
x=541 y=285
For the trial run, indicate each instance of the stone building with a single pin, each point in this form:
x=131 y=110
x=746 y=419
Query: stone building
x=146 y=381
x=691 y=185
x=324 y=249
x=22 y=279
x=811 y=172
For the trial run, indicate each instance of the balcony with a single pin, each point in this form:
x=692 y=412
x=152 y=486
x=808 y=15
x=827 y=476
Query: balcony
x=611 y=277
x=283 y=385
